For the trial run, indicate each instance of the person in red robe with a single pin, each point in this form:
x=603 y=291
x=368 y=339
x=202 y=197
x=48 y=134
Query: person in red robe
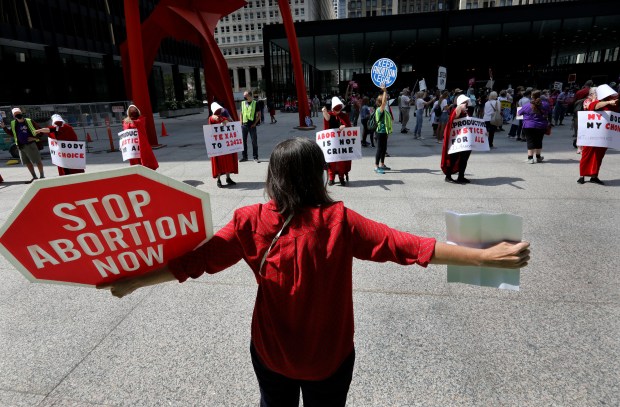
x=134 y=120
x=592 y=157
x=60 y=130
x=457 y=162
x=223 y=164
x=337 y=119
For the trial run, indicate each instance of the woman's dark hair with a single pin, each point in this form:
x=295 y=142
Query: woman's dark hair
x=295 y=175
x=536 y=102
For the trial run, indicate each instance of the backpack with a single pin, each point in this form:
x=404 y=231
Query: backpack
x=437 y=110
x=371 y=125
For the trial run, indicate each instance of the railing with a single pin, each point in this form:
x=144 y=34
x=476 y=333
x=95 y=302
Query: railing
x=89 y=120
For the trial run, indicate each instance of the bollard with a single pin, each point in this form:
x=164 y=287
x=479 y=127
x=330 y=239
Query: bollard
x=112 y=149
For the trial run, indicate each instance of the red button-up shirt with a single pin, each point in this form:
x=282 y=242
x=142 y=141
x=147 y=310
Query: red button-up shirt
x=302 y=326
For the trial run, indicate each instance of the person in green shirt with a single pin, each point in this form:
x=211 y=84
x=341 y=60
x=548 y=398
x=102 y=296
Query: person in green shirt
x=250 y=117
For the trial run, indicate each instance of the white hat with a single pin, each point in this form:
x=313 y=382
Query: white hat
x=336 y=101
x=16 y=110
x=130 y=106
x=604 y=91
x=462 y=99
x=215 y=107
x=57 y=118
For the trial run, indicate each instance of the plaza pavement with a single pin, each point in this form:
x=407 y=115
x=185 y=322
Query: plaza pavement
x=419 y=340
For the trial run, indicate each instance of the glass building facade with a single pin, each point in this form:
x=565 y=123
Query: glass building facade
x=532 y=45
x=67 y=51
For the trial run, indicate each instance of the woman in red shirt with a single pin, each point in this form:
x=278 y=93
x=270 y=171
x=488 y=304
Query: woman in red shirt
x=223 y=164
x=134 y=120
x=60 y=130
x=592 y=157
x=337 y=119
x=300 y=247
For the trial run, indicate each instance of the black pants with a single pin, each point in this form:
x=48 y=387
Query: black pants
x=277 y=390
x=381 y=148
x=491 y=130
x=464 y=157
x=245 y=129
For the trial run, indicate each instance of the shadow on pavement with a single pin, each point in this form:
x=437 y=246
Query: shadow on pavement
x=491 y=182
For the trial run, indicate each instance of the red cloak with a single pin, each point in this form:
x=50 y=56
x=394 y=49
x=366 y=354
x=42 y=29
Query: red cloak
x=339 y=167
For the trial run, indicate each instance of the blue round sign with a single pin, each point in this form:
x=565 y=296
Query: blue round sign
x=384 y=71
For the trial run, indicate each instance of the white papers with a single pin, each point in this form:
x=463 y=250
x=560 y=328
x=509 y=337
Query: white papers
x=482 y=230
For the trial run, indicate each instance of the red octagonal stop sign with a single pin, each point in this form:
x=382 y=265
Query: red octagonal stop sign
x=100 y=227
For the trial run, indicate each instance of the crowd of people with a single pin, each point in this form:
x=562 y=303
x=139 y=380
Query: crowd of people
x=531 y=113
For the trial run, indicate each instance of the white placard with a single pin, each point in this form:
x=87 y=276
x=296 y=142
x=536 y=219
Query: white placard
x=519 y=116
x=340 y=145
x=422 y=84
x=222 y=139
x=129 y=144
x=442 y=77
x=598 y=129
x=482 y=230
x=557 y=85
x=468 y=134
x=68 y=154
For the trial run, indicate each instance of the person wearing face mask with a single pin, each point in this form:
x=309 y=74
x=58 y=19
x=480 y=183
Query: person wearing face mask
x=59 y=130
x=337 y=119
x=25 y=133
x=135 y=121
x=250 y=117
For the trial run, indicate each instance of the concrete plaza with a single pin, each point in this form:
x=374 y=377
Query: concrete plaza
x=419 y=340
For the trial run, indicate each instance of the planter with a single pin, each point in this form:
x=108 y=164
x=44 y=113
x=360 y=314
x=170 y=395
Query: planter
x=181 y=112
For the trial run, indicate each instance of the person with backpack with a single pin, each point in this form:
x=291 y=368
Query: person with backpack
x=365 y=114
x=384 y=128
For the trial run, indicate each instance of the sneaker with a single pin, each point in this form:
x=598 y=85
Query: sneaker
x=421 y=138
x=385 y=168
x=531 y=161
x=256 y=160
x=581 y=180
x=540 y=159
x=379 y=170
x=243 y=160
x=595 y=180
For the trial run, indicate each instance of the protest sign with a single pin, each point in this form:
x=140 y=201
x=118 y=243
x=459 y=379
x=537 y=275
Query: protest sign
x=519 y=115
x=557 y=85
x=129 y=144
x=222 y=139
x=384 y=72
x=103 y=226
x=68 y=154
x=340 y=145
x=442 y=77
x=598 y=129
x=422 y=84
x=505 y=104
x=468 y=134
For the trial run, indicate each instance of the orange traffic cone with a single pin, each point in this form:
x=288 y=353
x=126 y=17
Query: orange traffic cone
x=90 y=140
x=164 y=133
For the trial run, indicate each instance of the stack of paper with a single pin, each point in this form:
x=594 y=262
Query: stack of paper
x=482 y=230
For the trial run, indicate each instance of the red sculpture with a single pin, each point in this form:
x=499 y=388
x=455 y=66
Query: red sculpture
x=193 y=21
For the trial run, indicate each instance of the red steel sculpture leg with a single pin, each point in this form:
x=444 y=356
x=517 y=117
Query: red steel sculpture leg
x=138 y=84
x=300 y=84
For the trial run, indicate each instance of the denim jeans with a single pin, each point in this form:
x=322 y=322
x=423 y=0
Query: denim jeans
x=244 y=131
x=419 y=116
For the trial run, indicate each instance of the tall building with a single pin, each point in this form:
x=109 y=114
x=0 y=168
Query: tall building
x=239 y=35
x=371 y=8
x=473 y=4
x=423 y=6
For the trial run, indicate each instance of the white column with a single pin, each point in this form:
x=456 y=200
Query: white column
x=236 y=79
x=259 y=73
x=247 y=78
